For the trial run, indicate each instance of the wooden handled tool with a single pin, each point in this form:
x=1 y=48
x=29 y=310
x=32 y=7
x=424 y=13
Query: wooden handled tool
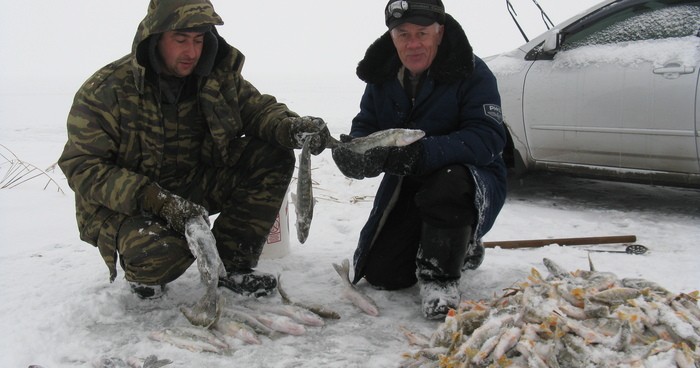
x=535 y=243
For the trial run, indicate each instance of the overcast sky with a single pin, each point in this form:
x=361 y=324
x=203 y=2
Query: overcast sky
x=44 y=47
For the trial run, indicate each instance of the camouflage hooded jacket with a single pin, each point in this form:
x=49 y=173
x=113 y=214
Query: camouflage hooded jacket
x=116 y=133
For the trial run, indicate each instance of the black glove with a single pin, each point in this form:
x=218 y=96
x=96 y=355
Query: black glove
x=401 y=161
x=293 y=131
x=406 y=160
x=173 y=208
x=350 y=163
x=357 y=165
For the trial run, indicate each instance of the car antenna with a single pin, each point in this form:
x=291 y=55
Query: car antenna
x=547 y=22
x=513 y=15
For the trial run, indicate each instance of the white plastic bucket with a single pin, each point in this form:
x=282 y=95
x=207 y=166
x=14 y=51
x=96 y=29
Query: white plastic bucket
x=277 y=244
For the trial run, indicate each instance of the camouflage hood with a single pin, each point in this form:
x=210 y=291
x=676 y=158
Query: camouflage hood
x=169 y=15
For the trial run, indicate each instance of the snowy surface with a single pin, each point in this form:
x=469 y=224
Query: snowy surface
x=58 y=309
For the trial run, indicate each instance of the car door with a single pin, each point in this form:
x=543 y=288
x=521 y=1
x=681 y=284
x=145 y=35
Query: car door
x=620 y=91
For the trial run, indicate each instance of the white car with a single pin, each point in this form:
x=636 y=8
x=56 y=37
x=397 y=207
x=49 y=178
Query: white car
x=612 y=93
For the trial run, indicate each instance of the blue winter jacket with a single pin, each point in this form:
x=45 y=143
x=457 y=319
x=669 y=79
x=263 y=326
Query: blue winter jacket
x=458 y=106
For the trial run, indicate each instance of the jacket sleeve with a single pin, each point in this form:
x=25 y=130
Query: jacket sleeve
x=481 y=135
x=261 y=114
x=235 y=108
x=90 y=156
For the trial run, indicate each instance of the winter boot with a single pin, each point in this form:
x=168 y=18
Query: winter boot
x=146 y=292
x=249 y=282
x=438 y=297
x=475 y=255
x=439 y=267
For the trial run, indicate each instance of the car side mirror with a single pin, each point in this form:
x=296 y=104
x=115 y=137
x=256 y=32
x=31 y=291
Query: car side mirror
x=546 y=49
x=551 y=42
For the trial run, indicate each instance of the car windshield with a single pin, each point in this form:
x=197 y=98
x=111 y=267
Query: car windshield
x=637 y=24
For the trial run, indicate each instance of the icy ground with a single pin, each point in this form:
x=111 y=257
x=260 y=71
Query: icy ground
x=59 y=310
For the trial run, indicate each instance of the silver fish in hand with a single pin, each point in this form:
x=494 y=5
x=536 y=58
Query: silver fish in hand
x=203 y=246
x=397 y=137
x=207 y=310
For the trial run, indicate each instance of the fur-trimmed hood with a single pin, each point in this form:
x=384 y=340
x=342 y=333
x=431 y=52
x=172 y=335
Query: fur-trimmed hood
x=454 y=60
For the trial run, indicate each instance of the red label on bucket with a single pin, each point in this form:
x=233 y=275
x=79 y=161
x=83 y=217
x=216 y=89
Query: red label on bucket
x=275 y=235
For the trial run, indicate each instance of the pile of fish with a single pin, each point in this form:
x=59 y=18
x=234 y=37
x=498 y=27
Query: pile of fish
x=569 y=319
x=246 y=323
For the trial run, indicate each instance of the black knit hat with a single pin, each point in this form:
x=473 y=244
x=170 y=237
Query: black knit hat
x=421 y=12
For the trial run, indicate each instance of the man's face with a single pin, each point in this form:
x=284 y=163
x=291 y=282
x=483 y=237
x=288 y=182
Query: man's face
x=417 y=45
x=180 y=51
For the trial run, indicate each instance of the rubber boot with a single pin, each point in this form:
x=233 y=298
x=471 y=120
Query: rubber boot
x=439 y=264
x=475 y=255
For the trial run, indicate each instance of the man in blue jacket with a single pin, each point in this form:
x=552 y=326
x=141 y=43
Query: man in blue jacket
x=440 y=195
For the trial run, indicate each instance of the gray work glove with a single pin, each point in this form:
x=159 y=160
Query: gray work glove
x=172 y=208
x=293 y=131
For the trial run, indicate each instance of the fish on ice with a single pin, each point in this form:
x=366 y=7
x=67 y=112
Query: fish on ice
x=300 y=315
x=151 y=361
x=262 y=321
x=191 y=338
x=321 y=310
x=237 y=330
x=354 y=295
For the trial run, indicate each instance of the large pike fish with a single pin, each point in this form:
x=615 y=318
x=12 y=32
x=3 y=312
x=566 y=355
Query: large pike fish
x=203 y=246
x=351 y=293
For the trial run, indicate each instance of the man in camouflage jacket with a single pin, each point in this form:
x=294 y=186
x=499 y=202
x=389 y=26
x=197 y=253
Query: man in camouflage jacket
x=173 y=131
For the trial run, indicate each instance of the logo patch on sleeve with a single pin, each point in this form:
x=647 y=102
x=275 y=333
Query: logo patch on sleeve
x=494 y=112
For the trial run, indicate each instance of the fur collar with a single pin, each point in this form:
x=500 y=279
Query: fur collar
x=454 y=60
